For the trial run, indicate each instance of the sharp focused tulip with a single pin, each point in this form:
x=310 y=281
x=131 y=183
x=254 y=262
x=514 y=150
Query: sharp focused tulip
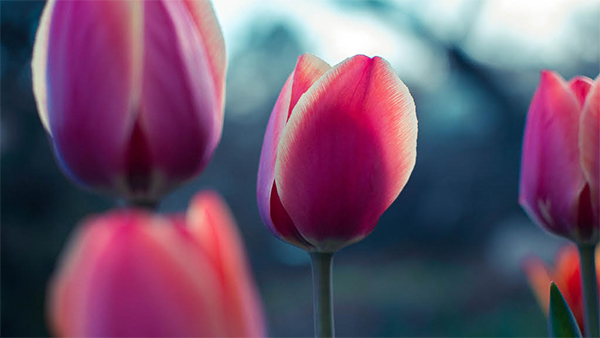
x=559 y=186
x=339 y=147
x=131 y=273
x=130 y=92
x=567 y=276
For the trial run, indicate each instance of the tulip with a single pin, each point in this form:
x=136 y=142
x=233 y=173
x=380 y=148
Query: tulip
x=567 y=276
x=130 y=93
x=340 y=145
x=132 y=273
x=559 y=168
x=559 y=186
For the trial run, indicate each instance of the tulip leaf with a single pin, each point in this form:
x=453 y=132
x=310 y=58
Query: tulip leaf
x=561 y=322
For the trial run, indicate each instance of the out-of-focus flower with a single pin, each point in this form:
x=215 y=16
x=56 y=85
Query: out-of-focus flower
x=567 y=276
x=131 y=273
x=559 y=168
x=130 y=92
x=339 y=147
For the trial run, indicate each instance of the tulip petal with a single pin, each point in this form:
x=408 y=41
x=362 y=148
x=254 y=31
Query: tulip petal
x=133 y=275
x=211 y=223
x=308 y=70
x=589 y=145
x=551 y=177
x=180 y=115
x=39 y=62
x=206 y=21
x=346 y=152
x=580 y=86
x=90 y=75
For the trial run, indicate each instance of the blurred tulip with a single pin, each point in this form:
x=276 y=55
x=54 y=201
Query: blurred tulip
x=567 y=276
x=130 y=273
x=561 y=149
x=339 y=147
x=130 y=92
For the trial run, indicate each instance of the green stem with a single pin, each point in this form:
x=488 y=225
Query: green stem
x=590 y=289
x=322 y=293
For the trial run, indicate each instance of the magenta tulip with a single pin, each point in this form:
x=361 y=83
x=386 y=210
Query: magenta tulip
x=134 y=274
x=339 y=147
x=561 y=150
x=130 y=92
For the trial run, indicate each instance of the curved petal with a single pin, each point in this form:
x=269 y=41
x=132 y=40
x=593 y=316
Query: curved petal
x=180 y=113
x=308 y=70
x=211 y=223
x=90 y=78
x=347 y=152
x=589 y=145
x=207 y=24
x=148 y=279
x=39 y=62
x=551 y=177
x=580 y=86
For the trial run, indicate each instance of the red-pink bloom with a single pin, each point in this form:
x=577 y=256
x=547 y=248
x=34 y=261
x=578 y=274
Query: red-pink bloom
x=567 y=276
x=132 y=273
x=339 y=147
x=559 y=167
x=130 y=92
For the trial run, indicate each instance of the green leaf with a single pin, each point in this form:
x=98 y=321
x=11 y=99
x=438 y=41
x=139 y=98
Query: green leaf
x=561 y=322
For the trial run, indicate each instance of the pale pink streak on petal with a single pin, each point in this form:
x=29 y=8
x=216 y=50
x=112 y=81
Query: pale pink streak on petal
x=206 y=21
x=89 y=77
x=39 y=62
x=551 y=177
x=211 y=223
x=347 y=152
x=589 y=145
x=580 y=86
x=180 y=115
x=281 y=226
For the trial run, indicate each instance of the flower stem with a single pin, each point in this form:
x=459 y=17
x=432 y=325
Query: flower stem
x=590 y=289
x=322 y=293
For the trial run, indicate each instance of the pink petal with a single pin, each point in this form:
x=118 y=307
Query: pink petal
x=347 y=152
x=39 y=63
x=207 y=24
x=589 y=145
x=308 y=70
x=211 y=223
x=551 y=177
x=90 y=76
x=580 y=85
x=134 y=275
x=181 y=115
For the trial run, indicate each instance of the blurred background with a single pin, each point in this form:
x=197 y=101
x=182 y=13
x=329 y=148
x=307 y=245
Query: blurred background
x=444 y=260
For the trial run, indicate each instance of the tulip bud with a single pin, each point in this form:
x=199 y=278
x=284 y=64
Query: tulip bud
x=559 y=186
x=130 y=92
x=567 y=276
x=339 y=147
x=131 y=273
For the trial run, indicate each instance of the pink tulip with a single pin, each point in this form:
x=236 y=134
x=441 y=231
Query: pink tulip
x=339 y=147
x=130 y=92
x=561 y=150
x=131 y=273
